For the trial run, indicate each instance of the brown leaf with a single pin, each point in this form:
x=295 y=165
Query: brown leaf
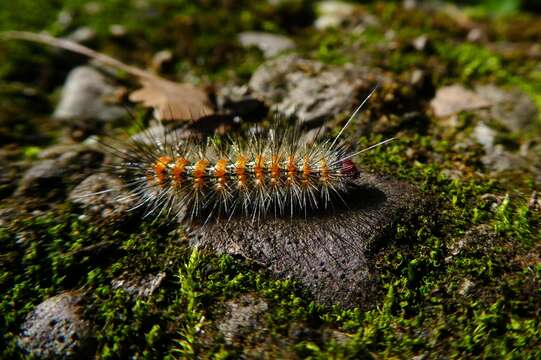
x=172 y=101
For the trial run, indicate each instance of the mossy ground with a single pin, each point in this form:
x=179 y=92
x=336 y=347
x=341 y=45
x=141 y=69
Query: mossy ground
x=424 y=307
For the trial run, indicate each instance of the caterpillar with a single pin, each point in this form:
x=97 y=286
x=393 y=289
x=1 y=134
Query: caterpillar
x=270 y=174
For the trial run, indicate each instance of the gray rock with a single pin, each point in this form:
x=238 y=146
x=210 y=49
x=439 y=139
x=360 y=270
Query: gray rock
x=450 y=100
x=511 y=108
x=139 y=288
x=244 y=319
x=332 y=13
x=307 y=89
x=420 y=42
x=55 y=329
x=103 y=196
x=83 y=97
x=331 y=253
x=69 y=166
x=498 y=159
x=270 y=44
x=485 y=136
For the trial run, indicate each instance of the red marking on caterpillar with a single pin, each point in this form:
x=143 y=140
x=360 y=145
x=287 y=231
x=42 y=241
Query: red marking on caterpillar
x=268 y=175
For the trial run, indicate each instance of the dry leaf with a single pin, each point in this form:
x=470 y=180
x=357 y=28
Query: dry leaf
x=170 y=100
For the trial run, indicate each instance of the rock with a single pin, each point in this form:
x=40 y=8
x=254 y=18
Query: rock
x=54 y=175
x=476 y=35
x=498 y=159
x=420 y=42
x=117 y=30
x=511 y=108
x=332 y=13
x=139 y=288
x=104 y=197
x=331 y=253
x=307 y=89
x=453 y=99
x=83 y=97
x=244 y=320
x=270 y=44
x=484 y=136
x=55 y=329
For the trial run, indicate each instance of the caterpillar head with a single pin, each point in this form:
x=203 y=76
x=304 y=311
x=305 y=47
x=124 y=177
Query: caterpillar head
x=349 y=169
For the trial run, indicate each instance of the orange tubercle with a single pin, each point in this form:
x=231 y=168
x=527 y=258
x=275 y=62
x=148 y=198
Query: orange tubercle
x=240 y=170
x=198 y=173
x=160 y=169
x=306 y=171
x=220 y=170
x=179 y=169
x=259 y=170
x=291 y=169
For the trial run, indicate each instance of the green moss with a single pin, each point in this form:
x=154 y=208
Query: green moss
x=423 y=307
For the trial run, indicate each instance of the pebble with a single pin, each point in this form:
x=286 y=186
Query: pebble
x=270 y=44
x=450 y=100
x=83 y=97
x=55 y=329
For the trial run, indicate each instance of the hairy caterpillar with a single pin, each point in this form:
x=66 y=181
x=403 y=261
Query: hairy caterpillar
x=267 y=175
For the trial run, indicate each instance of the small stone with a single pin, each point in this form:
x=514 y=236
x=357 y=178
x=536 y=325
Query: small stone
x=139 y=288
x=499 y=159
x=270 y=44
x=117 y=30
x=420 y=42
x=511 y=108
x=55 y=329
x=332 y=13
x=475 y=35
x=244 y=319
x=453 y=99
x=83 y=97
x=484 y=136
x=104 y=197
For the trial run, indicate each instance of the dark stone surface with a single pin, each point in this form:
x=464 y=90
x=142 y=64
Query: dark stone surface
x=331 y=253
x=244 y=320
x=55 y=329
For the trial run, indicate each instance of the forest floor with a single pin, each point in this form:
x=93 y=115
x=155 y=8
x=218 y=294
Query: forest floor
x=460 y=87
